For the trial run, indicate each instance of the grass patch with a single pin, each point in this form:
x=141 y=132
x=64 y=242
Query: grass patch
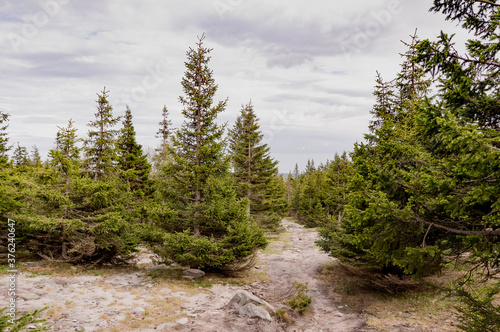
x=57 y=269
x=159 y=311
x=54 y=313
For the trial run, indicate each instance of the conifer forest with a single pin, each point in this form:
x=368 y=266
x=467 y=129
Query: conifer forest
x=419 y=197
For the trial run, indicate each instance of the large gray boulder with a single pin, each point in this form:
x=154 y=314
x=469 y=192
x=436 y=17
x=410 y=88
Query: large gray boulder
x=247 y=304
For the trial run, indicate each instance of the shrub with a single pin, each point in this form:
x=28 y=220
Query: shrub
x=300 y=301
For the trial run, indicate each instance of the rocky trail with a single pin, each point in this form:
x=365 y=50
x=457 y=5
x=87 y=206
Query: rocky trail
x=134 y=301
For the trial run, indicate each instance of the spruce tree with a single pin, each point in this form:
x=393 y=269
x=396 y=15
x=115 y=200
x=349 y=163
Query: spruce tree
x=254 y=171
x=383 y=182
x=383 y=110
x=161 y=156
x=4 y=148
x=165 y=130
x=463 y=133
x=36 y=159
x=67 y=216
x=131 y=160
x=66 y=156
x=20 y=158
x=198 y=144
x=211 y=229
x=100 y=149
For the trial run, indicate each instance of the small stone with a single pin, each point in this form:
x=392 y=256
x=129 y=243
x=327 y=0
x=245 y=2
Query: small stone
x=195 y=273
x=32 y=327
x=138 y=310
x=31 y=264
x=339 y=314
x=251 y=310
x=183 y=320
x=79 y=329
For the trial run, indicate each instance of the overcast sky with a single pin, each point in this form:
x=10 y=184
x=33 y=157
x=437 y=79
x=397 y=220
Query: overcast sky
x=308 y=66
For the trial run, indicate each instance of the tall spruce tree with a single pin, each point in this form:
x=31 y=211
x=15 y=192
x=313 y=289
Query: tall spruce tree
x=212 y=229
x=131 y=160
x=100 y=146
x=198 y=144
x=384 y=179
x=254 y=171
x=165 y=130
x=161 y=156
x=383 y=110
x=463 y=133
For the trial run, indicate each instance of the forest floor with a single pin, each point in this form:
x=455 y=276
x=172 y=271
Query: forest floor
x=144 y=298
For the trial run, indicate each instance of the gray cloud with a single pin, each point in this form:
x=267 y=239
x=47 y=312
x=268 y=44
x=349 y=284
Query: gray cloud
x=308 y=67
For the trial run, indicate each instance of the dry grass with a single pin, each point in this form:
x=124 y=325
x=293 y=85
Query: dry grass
x=158 y=311
x=57 y=269
x=391 y=301
x=54 y=313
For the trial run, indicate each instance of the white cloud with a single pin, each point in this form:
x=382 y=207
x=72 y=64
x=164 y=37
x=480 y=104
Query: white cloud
x=307 y=66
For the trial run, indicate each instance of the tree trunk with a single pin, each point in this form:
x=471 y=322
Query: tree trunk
x=197 y=193
x=249 y=179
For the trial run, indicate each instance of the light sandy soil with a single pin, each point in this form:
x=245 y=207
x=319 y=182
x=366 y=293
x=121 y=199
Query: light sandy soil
x=133 y=301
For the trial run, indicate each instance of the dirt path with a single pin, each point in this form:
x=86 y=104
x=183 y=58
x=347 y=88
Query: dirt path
x=133 y=301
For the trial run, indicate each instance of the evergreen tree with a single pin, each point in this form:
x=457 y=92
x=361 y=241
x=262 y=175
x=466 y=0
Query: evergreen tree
x=469 y=83
x=36 y=159
x=254 y=171
x=161 y=156
x=426 y=187
x=4 y=148
x=20 y=157
x=377 y=227
x=66 y=156
x=383 y=110
x=100 y=150
x=131 y=160
x=296 y=189
x=463 y=134
x=68 y=217
x=198 y=143
x=211 y=229
x=165 y=128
